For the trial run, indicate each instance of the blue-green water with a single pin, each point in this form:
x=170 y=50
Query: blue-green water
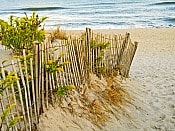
x=103 y=14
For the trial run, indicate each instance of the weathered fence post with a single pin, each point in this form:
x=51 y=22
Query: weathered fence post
x=88 y=55
x=26 y=76
x=121 y=53
x=36 y=74
x=132 y=53
x=33 y=91
x=21 y=97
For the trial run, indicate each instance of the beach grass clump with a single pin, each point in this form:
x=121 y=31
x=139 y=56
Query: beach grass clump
x=20 y=32
x=115 y=94
x=113 y=97
x=93 y=110
x=103 y=99
x=58 y=34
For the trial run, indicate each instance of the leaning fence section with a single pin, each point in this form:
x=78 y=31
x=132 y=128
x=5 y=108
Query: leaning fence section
x=107 y=55
x=29 y=84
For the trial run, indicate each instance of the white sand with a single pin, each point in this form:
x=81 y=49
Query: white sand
x=154 y=69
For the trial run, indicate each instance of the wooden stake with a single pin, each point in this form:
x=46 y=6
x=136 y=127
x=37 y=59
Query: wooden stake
x=36 y=79
x=25 y=93
x=33 y=91
x=21 y=98
x=27 y=83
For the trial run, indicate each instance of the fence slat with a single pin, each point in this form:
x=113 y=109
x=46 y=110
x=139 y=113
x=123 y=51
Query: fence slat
x=47 y=75
x=42 y=77
x=33 y=91
x=27 y=84
x=36 y=76
x=25 y=93
x=7 y=96
x=20 y=96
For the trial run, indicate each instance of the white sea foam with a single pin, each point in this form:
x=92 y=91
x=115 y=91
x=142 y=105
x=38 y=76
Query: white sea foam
x=103 y=14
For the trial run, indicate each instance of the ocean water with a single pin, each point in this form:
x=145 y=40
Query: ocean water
x=101 y=14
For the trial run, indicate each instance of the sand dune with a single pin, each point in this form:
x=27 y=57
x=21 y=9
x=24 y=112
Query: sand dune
x=151 y=83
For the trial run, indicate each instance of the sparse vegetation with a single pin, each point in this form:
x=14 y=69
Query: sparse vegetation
x=61 y=91
x=9 y=80
x=54 y=66
x=98 y=49
x=97 y=105
x=4 y=116
x=58 y=34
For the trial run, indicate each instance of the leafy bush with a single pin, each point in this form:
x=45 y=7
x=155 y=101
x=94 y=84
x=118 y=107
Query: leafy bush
x=19 y=32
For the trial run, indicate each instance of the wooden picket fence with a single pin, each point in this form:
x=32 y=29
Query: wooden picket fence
x=36 y=88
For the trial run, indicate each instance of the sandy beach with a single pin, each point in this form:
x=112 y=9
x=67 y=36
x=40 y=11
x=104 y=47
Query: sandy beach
x=151 y=85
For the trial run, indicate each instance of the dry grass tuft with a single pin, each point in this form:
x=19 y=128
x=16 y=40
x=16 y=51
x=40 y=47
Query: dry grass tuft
x=58 y=34
x=103 y=99
x=115 y=94
x=95 y=111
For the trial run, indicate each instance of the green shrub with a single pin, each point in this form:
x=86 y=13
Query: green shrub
x=20 y=32
x=54 y=66
x=62 y=90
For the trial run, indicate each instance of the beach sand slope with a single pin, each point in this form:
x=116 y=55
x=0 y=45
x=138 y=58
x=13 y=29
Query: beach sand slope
x=151 y=83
